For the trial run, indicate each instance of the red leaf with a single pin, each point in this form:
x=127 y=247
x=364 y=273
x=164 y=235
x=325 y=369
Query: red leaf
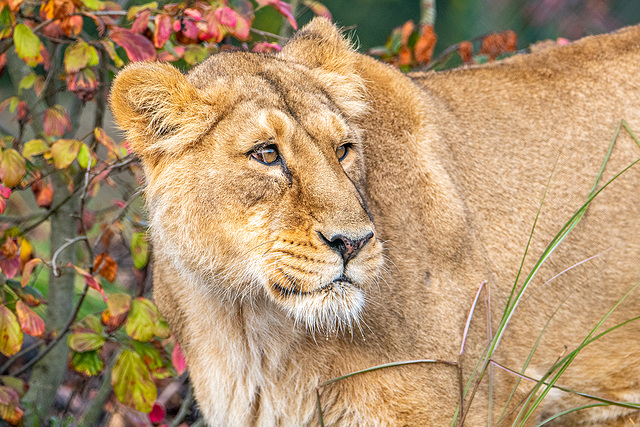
x=30 y=322
x=265 y=47
x=178 y=360
x=283 y=8
x=141 y=23
x=23 y=112
x=157 y=413
x=232 y=21
x=138 y=47
x=56 y=121
x=162 y=31
x=83 y=83
x=4 y=191
x=89 y=280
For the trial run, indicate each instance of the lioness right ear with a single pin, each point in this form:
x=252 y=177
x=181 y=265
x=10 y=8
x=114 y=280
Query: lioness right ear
x=159 y=109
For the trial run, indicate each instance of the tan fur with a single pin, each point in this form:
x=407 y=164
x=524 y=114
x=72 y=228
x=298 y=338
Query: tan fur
x=447 y=169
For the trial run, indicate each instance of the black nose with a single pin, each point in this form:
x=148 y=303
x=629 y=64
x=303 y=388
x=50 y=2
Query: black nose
x=347 y=248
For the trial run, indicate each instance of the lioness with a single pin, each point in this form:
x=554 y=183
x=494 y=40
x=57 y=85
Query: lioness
x=316 y=212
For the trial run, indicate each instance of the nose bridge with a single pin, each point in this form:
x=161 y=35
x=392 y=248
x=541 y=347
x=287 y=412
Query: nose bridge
x=336 y=203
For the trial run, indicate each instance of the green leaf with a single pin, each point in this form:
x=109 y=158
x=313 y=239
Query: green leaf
x=10 y=332
x=133 y=11
x=64 y=152
x=142 y=320
x=93 y=322
x=27 y=45
x=79 y=56
x=150 y=355
x=26 y=82
x=118 y=304
x=195 y=53
x=88 y=362
x=111 y=50
x=85 y=341
x=34 y=147
x=15 y=383
x=12 y=167
x=132 y=382
x=7 y=21
x=85 y=155
x=93 y=4
x=139 y=249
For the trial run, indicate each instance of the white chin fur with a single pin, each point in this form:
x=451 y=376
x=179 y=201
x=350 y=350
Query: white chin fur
x=327 y=312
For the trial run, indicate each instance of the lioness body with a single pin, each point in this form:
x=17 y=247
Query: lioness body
x=445 y=170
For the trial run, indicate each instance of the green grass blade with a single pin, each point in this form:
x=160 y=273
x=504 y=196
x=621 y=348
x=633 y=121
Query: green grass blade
x=568 y=411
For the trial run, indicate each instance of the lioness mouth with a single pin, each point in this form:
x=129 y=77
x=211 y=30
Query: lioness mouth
x=339 y=282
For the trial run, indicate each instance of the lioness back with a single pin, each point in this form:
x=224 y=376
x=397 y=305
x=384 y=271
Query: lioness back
x=315 y=213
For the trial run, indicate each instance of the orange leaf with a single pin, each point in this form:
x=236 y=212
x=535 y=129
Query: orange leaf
x=30 y=322
x=404 y=56
x=425 y=44
x=465 y=49
x=407 y=30
x=105 y=266
x=56 y=121
x=27 y=270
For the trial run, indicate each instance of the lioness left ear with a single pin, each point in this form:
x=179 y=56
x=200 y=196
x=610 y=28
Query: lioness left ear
x=159 y=109
x=319 y=44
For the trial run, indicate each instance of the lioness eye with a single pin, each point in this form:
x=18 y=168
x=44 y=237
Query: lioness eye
x=267 y=155
x=341 y=152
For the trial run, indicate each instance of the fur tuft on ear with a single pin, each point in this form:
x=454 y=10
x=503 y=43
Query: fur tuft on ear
x=321 y=47
x=159 y=109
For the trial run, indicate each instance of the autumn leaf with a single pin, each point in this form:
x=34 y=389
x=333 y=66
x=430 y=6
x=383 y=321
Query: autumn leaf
x=9 y=401
x=195 y=53
x=144 y=321
x=111 y=51
x=133 y=11
x=27 y=45
x=83 y=83
x=178 y=360
x=89 y=280
x=425 y=44
x=318 y=8
x=105 y=266
x=283 y=8
x=162 y=30
x=85 y=341
x=138 y=47
x=88 y=362
x=10 y=332
x=64 y=152
x=78 y=56
x=119 y=304
x=12 y=168
x=56 y=121
x=86 y=156
x=5 y=193
x=43 y=191
x=132 y=382
x=23 y=113
x=30 y=322
x=465 y=49
x=7 y=20
x=27 y=270
x=33 y=148
x=157 y=413
x=141 y=23
x=264 y=47
x=140 y=250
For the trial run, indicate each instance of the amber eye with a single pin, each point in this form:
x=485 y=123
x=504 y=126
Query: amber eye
x=267 y=155
x=342 y=152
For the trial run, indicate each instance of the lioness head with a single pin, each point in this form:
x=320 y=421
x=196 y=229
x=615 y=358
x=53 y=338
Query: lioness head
x=269 y=162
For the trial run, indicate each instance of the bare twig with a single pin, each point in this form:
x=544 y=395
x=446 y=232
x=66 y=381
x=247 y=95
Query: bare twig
x=18 y=355
x=267 y=34
x=117 y=217
x=56 y=272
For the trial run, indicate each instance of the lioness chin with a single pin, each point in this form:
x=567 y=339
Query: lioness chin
x=315 y=212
